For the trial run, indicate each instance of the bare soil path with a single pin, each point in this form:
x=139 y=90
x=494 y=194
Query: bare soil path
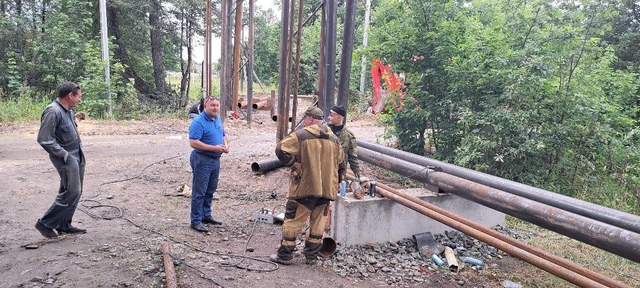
x=131 y=167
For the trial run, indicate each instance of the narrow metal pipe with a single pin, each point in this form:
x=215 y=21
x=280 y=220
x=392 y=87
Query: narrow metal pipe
x=493 y=233
x=535 y=260
x=604 y=236
x=590 y=210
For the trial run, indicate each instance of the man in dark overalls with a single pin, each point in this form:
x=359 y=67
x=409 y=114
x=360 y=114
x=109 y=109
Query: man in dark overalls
x=59 y=136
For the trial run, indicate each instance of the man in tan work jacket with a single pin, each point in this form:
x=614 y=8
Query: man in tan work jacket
x=316 y=159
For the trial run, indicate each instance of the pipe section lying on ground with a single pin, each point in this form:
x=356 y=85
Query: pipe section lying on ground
x=605 y=236
x=493 y=233
x=590 y=210
x=262 y=105
x=264 y=166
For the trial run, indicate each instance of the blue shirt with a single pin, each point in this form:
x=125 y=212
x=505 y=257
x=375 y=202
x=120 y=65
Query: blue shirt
x=209 y=131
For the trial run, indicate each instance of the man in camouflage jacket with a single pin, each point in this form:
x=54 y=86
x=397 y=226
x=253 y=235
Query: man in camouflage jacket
x=337 y=115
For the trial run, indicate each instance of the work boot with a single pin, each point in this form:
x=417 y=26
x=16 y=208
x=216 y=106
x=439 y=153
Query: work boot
x=45 y=231
x=275 y=258
x=200 y=228
x=71 y=230
x=211 y=221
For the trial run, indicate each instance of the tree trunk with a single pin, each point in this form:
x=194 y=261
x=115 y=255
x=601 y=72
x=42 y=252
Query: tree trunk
x=155 y=21
x=186 y=71
x=120 y=52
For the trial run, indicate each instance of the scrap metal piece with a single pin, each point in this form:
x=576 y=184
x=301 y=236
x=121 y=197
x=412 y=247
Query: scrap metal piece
x=427 y=245
x=451 y=259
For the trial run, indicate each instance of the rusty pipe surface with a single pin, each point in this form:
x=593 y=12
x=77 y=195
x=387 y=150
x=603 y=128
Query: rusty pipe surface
x=266 y=165
x=262 y=105
x=604 y=280
x=616 y=240
x=535 y=260
x=603 y=214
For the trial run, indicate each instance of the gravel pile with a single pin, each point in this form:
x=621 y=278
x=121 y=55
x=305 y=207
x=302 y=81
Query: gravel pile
x=400 y=263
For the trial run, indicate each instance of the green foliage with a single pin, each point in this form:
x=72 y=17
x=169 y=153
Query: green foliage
x=523 y=90
x=22 y=108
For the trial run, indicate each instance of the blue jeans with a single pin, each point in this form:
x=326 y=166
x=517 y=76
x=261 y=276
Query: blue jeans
x=205 y=182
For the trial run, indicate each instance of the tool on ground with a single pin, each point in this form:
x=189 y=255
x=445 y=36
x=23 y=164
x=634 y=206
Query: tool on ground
x=267 y=216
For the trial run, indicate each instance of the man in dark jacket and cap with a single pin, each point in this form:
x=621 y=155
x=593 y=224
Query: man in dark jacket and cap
x=337 y=116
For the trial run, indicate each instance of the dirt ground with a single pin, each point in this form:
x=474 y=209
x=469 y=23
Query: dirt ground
x=130 y=209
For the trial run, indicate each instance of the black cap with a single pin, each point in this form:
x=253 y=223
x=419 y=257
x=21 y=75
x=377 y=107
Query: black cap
x=340 y=110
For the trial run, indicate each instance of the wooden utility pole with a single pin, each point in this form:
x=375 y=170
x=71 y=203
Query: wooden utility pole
x=237 y=44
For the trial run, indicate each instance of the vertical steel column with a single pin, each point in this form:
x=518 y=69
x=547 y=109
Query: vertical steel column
x=347 y=52
x=250 y=64
x=330 y=58
x=323 y=36
x=282 y=71
x=296 y=74
x=223 y=45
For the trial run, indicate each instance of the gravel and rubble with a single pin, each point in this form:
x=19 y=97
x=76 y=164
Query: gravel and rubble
x=401 y=264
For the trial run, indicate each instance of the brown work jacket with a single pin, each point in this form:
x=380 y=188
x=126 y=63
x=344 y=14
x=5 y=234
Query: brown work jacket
x=315 y=157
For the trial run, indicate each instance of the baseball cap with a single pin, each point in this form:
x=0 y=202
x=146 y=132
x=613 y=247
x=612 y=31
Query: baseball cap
x=314 y=112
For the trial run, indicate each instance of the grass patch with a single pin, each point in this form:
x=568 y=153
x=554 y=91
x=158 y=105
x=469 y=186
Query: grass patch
x=22 y=109
x=585 y=255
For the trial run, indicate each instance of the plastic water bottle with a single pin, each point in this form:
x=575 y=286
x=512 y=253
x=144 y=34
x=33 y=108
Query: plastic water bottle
x=436 y=260
x=343 y=188
x=473 y=261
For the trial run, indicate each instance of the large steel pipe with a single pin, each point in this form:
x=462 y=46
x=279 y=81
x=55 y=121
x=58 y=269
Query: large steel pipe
x=603 y=214
x=493 y=233
x=262 y=105
x=535 y=260
x=266 y=165
x=605 y=236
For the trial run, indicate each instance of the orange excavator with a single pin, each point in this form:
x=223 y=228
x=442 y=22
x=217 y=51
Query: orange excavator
x=392 y=82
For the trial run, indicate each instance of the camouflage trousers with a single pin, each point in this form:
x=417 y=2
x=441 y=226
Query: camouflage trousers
x=297 y=212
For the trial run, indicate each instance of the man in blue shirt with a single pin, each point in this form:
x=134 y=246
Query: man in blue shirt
x=209 y=141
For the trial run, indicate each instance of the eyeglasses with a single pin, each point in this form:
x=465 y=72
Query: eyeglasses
x=211 y=98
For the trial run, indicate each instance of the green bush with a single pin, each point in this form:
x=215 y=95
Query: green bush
x=23 y=108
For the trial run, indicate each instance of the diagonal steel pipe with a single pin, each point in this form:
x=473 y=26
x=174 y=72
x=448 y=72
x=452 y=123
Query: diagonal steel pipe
x=449 y=218
x=602 y=235
x=535 y=260
x=590 y=210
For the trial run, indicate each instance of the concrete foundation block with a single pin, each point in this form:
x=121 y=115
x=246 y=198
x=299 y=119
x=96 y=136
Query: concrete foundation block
x=378 y=220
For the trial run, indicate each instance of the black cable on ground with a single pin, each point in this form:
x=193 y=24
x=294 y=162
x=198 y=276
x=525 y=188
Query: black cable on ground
x=120 y=214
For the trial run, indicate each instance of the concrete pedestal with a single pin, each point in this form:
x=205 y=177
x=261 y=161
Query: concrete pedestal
x=377 y=220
